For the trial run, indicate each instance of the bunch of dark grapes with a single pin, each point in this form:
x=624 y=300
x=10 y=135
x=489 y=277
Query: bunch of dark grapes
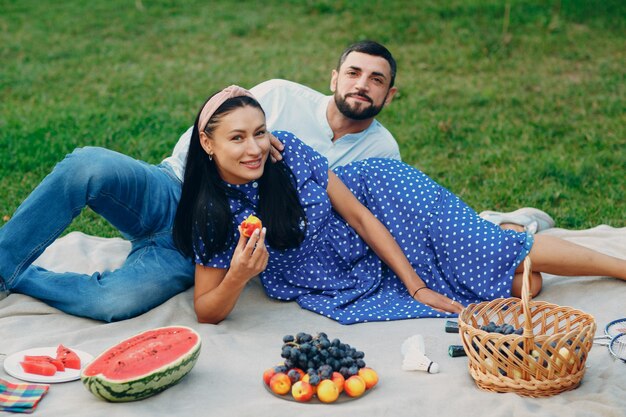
x=319 y=357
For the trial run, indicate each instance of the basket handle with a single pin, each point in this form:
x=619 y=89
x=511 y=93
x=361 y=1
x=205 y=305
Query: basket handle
x=526 y=297
x=528 y=340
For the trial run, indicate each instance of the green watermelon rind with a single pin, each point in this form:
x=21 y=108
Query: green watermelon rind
x=146 y=385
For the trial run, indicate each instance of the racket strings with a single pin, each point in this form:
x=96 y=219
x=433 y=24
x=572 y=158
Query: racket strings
x=616 y=328
x=618 y=347
x=612 y=330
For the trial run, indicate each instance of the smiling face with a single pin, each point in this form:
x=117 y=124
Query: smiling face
x=239 y=145
x=361 y=87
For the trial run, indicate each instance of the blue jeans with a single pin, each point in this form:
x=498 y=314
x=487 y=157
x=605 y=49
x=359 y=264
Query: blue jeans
x=137 y=198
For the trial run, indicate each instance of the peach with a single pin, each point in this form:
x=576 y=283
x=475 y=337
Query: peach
x=305 y=378
x=268 y=374
x=250 y=224
x=369 y=376
x=327 y=391
x=354 y=386
x=302 y=391
x=280 y=383
x=339 y=380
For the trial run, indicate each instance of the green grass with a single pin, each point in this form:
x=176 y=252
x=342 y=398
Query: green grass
x=524 y=110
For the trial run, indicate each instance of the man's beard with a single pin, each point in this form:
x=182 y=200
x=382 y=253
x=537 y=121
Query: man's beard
x=357 y=112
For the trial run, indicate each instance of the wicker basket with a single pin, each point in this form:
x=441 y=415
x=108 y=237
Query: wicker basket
x=546 y=359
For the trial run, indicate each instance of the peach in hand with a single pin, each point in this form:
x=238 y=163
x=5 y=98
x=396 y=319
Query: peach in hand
x=250 y=224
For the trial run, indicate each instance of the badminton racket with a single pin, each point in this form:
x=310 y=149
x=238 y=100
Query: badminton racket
x=617 y=347
x=615 y=338
x=611 y=330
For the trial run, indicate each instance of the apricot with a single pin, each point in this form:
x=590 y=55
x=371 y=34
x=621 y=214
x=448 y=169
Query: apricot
x=369 y=376
x=305 y=378
x=354 y=386
x=339 y=380
x=268 y=374
x=302 y=391
x=280 y=383
x=327 y=391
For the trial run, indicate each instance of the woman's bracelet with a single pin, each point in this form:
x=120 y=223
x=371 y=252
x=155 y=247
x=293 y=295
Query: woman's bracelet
x=417 y=290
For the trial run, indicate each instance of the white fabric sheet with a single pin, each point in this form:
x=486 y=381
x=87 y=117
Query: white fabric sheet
x=226 y=381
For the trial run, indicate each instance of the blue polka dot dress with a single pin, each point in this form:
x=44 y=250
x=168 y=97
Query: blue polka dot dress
x=334 y=273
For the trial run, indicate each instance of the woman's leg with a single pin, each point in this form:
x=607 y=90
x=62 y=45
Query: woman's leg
x=559 y=257
x=556 y=256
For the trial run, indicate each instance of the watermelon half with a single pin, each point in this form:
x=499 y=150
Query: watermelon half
x=143 y=365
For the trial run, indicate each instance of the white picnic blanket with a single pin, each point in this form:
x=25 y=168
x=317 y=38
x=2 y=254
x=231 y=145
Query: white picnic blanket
x=226 y=381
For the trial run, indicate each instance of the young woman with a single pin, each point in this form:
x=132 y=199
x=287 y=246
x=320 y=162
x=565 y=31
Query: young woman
x=374 y=240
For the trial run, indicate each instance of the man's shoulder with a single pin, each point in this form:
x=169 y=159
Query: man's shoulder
x=377 y=128
x=280 y=86
x=380 y=142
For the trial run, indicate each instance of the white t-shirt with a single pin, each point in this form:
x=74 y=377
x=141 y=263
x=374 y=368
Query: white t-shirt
x=301 y=110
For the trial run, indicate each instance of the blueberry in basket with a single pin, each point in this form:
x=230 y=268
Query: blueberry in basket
x=505 y=329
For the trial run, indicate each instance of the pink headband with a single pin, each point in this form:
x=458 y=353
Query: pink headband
x=217 y=100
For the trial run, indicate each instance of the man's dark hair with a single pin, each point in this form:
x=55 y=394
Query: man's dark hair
x=370 y=48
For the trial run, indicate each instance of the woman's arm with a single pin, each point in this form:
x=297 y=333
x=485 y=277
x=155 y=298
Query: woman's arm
x=217 y=290
x=376 y=235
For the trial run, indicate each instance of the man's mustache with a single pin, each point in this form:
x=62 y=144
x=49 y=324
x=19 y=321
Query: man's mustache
x=365 y=96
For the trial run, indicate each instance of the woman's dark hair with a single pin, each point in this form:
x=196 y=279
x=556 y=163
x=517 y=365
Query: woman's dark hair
x=203 y=212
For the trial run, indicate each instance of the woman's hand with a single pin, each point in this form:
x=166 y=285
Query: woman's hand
x=251 y=255
x=217 y=290
x=438 y=302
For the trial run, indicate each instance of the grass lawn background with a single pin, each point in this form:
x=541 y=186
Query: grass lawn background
x=508 y=104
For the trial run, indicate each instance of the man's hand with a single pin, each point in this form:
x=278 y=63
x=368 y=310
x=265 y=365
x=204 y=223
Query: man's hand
x=276 y=149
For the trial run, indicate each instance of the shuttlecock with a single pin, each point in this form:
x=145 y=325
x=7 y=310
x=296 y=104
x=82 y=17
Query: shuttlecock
x=415 y=358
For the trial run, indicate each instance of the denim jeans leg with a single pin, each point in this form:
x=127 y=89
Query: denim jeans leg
x=138 y=199
x=153 y=272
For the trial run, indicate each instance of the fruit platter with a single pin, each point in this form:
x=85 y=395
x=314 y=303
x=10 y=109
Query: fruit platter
x=318 y=369
x=50 y=364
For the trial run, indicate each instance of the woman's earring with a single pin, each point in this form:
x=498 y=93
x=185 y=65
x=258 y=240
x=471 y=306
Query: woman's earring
x=210 y=157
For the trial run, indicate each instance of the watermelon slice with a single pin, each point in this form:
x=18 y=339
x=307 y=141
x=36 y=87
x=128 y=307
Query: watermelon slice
x=143 y=365
x=68 y=357
x=58 y=364
x=39 y=368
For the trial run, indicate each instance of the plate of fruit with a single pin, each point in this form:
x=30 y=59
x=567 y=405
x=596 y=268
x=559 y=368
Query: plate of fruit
x=47 y=364
x=317 y=369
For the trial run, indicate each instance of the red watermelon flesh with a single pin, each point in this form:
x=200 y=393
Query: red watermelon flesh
x=142 y=354
x=143 y=365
